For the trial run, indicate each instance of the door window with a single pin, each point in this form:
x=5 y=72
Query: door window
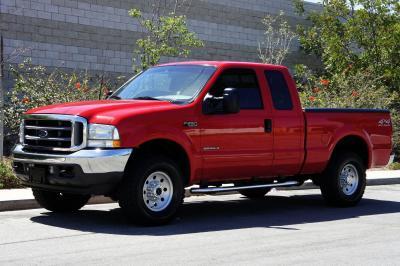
x=245 y=81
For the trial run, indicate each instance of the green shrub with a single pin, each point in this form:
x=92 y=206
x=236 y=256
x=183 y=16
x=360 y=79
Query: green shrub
x=356 y=90
x=350 y=89
x=37 y=86
x=358 y=43
x=7 y=176
x=394 y=166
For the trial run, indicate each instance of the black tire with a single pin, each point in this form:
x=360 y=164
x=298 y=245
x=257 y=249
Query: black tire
x=330 y=183
x=255 y=193
x=60 y=202
x=132 y=190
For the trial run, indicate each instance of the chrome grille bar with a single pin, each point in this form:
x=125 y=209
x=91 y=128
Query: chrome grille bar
x=47 y=139
x=48 y=128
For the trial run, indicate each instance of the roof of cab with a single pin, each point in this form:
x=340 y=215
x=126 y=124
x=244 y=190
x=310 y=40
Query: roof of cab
x=225 y=63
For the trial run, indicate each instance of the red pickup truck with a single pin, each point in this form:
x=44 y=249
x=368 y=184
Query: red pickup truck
x=215 y=126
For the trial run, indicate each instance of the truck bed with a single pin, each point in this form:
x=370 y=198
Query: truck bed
x=326 y=126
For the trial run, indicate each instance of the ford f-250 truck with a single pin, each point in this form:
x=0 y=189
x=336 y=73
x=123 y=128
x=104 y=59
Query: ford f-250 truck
x=223 y=126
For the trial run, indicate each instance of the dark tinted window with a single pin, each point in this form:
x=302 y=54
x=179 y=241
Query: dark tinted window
x=245 y=81
x=279 y=90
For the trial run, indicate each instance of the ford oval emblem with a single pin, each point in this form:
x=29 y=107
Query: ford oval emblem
x=43 y=133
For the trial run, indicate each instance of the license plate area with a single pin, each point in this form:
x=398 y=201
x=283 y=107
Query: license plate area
x=37 y=174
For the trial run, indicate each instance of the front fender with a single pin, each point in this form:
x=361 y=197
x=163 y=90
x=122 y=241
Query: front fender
x=141 y=134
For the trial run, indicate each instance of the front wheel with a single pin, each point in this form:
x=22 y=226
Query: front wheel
x=60 y=202
x=152 y=191
x=343 y=183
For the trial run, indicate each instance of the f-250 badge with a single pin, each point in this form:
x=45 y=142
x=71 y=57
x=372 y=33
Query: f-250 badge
x=384 y=123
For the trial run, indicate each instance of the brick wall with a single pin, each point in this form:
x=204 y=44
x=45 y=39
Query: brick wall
x=98 y=35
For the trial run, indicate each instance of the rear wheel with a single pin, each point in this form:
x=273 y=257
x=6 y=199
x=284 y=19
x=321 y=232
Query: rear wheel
x=60 y=202
x=152 y=191
x=255 y=193
x=343 y=183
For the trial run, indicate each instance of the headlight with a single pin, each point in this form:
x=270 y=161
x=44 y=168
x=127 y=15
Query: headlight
x=103 y=136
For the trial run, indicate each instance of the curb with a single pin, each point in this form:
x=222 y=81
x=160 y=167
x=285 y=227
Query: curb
x=383 y=181
x=370 y=182
x=25 y=204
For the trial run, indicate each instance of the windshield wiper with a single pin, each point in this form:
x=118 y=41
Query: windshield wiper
x=114 y=97
x=147 y=98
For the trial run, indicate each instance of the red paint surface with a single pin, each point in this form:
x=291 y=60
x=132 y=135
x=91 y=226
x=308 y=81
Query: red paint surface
x=244 y=149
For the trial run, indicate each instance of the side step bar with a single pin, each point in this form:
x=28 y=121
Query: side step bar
x=238 y=188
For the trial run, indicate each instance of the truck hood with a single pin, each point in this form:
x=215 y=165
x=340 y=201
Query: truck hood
x=108 y=110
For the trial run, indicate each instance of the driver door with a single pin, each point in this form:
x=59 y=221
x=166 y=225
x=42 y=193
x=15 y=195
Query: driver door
x=237 y=145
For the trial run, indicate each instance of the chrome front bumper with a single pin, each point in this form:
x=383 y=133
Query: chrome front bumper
x=91 y=161
x=86 y=169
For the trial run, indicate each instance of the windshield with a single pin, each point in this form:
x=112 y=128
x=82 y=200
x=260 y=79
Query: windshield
x=179 y=83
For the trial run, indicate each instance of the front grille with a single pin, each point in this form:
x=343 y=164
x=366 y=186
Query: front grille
x=54 y=132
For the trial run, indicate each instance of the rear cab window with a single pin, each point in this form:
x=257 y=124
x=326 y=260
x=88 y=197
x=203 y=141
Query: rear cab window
x=280 y=94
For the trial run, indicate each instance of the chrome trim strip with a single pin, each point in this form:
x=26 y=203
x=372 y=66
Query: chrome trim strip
x=49 y=128
x=47 y=139
x=91 y=161
x=72 y=118
x=238 y=188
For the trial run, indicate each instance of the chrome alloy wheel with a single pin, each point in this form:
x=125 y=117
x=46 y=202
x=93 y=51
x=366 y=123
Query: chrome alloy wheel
x=157 y=191
x=349 y=179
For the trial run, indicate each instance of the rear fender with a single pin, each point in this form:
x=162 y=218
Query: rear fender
x=344 y=133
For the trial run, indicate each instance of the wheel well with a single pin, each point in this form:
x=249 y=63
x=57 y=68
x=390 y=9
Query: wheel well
x=167 y=148
x=354 y=144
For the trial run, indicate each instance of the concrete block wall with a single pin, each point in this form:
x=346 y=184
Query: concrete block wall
x=98 y=35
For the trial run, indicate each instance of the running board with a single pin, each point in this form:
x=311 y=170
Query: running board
x=238 y=188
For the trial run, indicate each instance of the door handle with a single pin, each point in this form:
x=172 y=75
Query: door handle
x=268 y=125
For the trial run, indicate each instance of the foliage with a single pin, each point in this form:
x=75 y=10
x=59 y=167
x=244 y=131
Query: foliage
x=37 y=86
x=359 y=90
x=358 y=42
x=348 y=89
x=278 y=37
x=361 y=33
x=7 y=176
x=394 y=166
x=166 y=35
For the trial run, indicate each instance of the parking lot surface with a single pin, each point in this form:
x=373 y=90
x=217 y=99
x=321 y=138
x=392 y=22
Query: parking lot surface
x=286 y=227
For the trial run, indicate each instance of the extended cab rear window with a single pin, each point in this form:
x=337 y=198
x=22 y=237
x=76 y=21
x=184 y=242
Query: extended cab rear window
x=245 y=81
x=279 y=90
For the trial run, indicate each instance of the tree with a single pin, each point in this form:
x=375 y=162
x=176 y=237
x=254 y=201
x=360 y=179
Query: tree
x=166 y=32
x=278 y=37
x=363 y=34
x=358 y=42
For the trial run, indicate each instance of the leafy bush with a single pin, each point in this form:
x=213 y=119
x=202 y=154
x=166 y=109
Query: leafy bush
x=394 y=166
x=359 y=89
x=37 y=86
x=358 y=43
x=7 y=176
x=361 y=33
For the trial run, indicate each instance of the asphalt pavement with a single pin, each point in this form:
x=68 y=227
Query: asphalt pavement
x=22 y=199
x=287 y=227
